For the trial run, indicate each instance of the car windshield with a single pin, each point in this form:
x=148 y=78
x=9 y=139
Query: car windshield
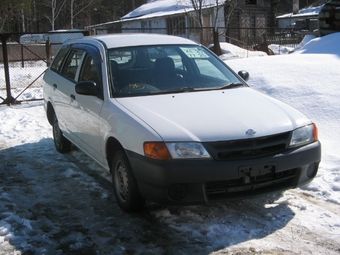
x=149 y=70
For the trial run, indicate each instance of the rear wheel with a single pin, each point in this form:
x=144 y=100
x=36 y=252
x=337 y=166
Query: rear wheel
x=125 y=185
x=60 y=142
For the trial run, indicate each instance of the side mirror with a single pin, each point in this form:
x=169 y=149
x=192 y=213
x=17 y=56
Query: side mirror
x=244 y=75
x=86 y=88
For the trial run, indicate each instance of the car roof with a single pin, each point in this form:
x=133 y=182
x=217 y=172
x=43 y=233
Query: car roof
x=126 y=40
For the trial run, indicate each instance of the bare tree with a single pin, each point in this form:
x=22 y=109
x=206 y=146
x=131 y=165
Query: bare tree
x=217 y=46
x=11 y=10
x=56 y=7
x=197 y=5
x=78 y=7
x=22 y=14
x=229 y=7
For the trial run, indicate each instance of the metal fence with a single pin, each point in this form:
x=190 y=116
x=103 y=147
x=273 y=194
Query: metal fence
x=250 y=38
x=23 y=61
x=243 y=37
x=25 y=57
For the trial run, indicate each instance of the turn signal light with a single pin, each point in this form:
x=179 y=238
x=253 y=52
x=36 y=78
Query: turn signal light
x=157 y=150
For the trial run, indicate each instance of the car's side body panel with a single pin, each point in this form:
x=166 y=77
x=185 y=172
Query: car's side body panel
x=59 y=91
x=123 y=125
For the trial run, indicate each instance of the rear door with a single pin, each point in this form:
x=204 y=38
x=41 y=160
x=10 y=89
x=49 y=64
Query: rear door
x=62 y=78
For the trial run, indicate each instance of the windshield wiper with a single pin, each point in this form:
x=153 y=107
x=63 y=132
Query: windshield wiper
x=231 y=85
x=191 y=89
x=185 y=89
x=179 y=90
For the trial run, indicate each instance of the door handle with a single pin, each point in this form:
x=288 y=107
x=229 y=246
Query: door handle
x=73 y=97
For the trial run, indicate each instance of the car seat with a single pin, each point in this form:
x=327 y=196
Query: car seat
x=165 y=75
x=114 y=70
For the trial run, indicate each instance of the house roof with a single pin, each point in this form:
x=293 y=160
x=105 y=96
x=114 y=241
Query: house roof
x=158 y=8
x=305 y=12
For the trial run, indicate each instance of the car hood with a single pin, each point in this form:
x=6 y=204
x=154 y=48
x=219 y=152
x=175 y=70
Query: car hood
x=214 y=115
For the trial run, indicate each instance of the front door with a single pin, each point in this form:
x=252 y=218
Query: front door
x=85 y=110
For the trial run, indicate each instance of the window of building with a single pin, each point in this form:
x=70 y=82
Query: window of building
x=176 y=25
x=251 y=2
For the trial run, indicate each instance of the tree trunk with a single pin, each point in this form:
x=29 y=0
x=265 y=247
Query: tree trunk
x=72 y=2
x=217 y=46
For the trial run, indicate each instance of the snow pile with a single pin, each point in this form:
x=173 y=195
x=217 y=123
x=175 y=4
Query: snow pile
x=304 y=41
x=230 y=51
x=321 y=45
x=309 y=82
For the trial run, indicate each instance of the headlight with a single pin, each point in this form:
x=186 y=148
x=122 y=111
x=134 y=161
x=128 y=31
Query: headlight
x=187 y=150
x=304 y=135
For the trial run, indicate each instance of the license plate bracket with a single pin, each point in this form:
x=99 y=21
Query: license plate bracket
x=259 y=169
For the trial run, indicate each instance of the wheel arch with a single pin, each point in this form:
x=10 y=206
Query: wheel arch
x=50 y=113
x=112 y=146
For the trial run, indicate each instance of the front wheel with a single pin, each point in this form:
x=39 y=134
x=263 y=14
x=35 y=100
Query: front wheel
x=125 y=185
x=60 y=142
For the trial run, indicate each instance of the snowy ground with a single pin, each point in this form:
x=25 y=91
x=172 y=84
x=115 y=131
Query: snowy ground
x=63 y=204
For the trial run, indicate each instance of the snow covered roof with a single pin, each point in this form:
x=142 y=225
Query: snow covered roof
x=158 y=8
x=305 y=12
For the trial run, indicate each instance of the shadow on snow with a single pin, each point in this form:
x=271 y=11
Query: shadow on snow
x=50 y=205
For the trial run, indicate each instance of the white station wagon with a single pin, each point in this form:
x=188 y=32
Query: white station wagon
x=173 y=123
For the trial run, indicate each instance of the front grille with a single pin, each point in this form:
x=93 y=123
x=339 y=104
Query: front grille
x=245 y=186
x=248 y=148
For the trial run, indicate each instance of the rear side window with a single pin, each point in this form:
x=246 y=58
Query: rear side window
x=72 y=63
x=125 y=58
x=58 y=59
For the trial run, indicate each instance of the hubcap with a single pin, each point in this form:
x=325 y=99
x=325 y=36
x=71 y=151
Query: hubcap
x=56 y=133
x=122 y=183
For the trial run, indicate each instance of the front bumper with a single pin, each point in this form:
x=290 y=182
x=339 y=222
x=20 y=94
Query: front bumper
x=185 y=182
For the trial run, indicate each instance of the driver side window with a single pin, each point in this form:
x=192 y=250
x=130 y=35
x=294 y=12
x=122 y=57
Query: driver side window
x=89 y=71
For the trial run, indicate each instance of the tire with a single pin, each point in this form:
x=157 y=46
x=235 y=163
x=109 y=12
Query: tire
x=60 y=142
x=125 y=185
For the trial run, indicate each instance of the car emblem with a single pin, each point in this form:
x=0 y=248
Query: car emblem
x=251 y=132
